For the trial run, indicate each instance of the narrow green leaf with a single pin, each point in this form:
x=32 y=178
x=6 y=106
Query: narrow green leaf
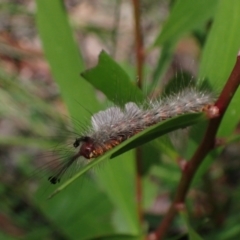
x=219 y=56
x=139 y=139
x=164 y=60
x=83 y=204
x=63 y=56
x=66 y=64
x=193 y=235
x=121 y=191
x=110 y=78
x=185 y=16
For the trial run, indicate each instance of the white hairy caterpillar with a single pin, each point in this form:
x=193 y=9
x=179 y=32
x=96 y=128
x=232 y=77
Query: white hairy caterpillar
x=114 y=125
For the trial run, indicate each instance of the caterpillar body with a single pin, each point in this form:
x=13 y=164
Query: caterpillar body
x=114 y=125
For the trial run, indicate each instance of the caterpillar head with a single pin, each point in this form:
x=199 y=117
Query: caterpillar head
x=87 y=148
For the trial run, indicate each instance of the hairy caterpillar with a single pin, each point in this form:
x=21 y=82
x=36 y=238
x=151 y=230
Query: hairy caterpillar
x=114 y=125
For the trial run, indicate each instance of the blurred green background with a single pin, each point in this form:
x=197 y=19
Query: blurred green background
x=44 y=102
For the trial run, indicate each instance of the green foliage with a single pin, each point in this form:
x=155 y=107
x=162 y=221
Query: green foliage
x=219 y=55
x=103 y=205
x=62 y=53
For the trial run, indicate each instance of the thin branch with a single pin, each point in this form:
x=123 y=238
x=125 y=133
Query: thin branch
x=207 y=144
x=139 y=42
x=114 y=34
x=140 y=62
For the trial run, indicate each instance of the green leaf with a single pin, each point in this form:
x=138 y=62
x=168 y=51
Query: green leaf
x=139 y=139
x=219 y=56
x=185 y=16
x=83 y=204
x=164 y=60
x=193 y=235
x=108 y=72
x=110 y=78
x=121 y=191
x=63 y=56
x=230 y=229
x=66 y=64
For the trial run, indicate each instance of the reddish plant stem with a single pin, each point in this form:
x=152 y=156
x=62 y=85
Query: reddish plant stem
x=207 y=144
x=139 y=62
x=138 y=42
x=114 y=35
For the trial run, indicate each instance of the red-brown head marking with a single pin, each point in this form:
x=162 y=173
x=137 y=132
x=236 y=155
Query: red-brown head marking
x=87 y=148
